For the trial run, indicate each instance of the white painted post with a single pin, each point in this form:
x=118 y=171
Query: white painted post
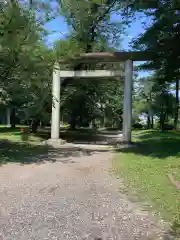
x=55 y=120
x=127 y=111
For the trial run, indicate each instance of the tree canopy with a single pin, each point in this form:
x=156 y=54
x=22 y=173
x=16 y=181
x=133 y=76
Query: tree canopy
x=26 y=61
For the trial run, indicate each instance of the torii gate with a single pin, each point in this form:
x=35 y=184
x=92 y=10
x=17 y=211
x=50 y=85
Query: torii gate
x=127 y=58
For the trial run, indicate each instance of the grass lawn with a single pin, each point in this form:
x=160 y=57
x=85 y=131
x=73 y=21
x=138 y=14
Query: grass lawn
x=12 y=149
x=144 y=169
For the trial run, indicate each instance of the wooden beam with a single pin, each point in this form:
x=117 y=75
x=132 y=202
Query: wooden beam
x=112 y=57
x=90 y=74
x=116 y=56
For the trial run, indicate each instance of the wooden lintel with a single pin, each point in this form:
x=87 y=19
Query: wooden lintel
x=113 y=57
x=116 y=56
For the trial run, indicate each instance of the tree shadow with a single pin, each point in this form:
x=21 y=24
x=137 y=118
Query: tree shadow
x=11 y=130
x=85 y=136
x=156 y=144
x=23 y=153
x=91 y=137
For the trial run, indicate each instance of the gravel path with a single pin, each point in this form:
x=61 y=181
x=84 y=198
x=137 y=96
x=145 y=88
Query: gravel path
x=76 y=199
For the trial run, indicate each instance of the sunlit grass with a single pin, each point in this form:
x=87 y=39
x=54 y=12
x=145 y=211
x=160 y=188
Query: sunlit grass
x=13 y=149
x=15 y=135
x=145 y=167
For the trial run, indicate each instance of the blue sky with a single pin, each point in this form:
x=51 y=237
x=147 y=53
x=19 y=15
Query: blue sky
x=59 y=30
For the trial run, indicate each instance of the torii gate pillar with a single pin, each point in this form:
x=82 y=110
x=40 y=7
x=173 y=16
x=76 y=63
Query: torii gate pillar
x=55 y=119
x=127 y=109
x=55 y=139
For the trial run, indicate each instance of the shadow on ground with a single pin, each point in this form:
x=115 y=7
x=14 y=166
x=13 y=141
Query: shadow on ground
x=17 y=152
x=156 y=144
x=85 y=136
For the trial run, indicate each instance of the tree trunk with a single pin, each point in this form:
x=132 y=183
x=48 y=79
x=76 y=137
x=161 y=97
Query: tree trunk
x=152 y=122
x=163 y=117
x=34 y=126
x=13 y=118
x=73 y=123
x=176 y=115
x=148 y=121
x=93 y=124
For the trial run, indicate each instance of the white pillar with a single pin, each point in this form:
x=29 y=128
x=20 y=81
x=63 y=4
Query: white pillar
x=127 y=111
x=8 y=117
x=55 y=120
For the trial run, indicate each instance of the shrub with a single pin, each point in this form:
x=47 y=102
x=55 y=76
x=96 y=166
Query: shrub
x=137 y=126
x=168 y=126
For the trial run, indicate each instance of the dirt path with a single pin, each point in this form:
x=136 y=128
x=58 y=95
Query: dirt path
x=68 y=200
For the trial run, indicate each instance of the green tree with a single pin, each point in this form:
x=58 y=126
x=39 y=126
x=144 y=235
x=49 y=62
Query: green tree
x=162 y=38
x=144 y=98
x=26 y=63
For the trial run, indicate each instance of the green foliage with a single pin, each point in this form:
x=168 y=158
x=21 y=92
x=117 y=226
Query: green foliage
x=26 y=62
x=91 y=29
x=90 y=22
x=162 y=39
x=67 y=49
